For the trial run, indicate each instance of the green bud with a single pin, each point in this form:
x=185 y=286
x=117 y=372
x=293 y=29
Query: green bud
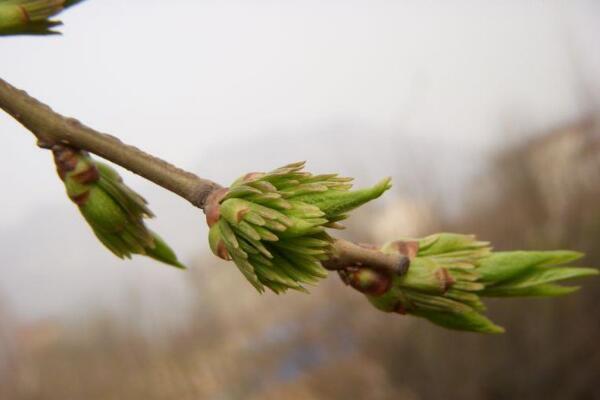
x=113 y=210
x=31 y=17
x=273 y=225
x=449 y=273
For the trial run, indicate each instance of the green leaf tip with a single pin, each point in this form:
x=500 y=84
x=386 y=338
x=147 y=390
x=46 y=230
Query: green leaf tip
x=273 y=225
x=450 y=273
x=31 y=17
x=113 y=210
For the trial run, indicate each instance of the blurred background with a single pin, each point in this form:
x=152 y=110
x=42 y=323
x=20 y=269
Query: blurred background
x=485 y=114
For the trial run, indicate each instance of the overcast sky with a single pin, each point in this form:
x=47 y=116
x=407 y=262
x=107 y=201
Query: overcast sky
x=204 y=84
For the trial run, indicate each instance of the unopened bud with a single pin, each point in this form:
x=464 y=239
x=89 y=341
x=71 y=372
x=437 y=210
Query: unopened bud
x=369 y=282
x=272 y=225
x=450 y=272
x=113 y=210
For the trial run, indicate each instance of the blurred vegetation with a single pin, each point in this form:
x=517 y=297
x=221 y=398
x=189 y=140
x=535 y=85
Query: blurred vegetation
x=236 y=344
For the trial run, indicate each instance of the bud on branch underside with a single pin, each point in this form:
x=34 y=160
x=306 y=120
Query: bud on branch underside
x=114 y=211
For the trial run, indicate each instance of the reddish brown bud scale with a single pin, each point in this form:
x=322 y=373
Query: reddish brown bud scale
x=252 y=175
x=81 y=198
x=25 y=14
x=87 y=176
x=240 y=214
x=446 y=280
x=65 y=159
x=222 y=251
x=211 y=209
x=369 y=282
x=407 y=248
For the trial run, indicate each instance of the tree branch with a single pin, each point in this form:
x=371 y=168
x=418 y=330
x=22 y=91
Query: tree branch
x=51 y=129
x=347 y=254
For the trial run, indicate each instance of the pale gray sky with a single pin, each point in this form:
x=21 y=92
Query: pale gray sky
x=190 y=80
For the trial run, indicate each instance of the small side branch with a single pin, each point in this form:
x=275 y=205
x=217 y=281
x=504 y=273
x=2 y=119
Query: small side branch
x=52 y=129
x=347 y=254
